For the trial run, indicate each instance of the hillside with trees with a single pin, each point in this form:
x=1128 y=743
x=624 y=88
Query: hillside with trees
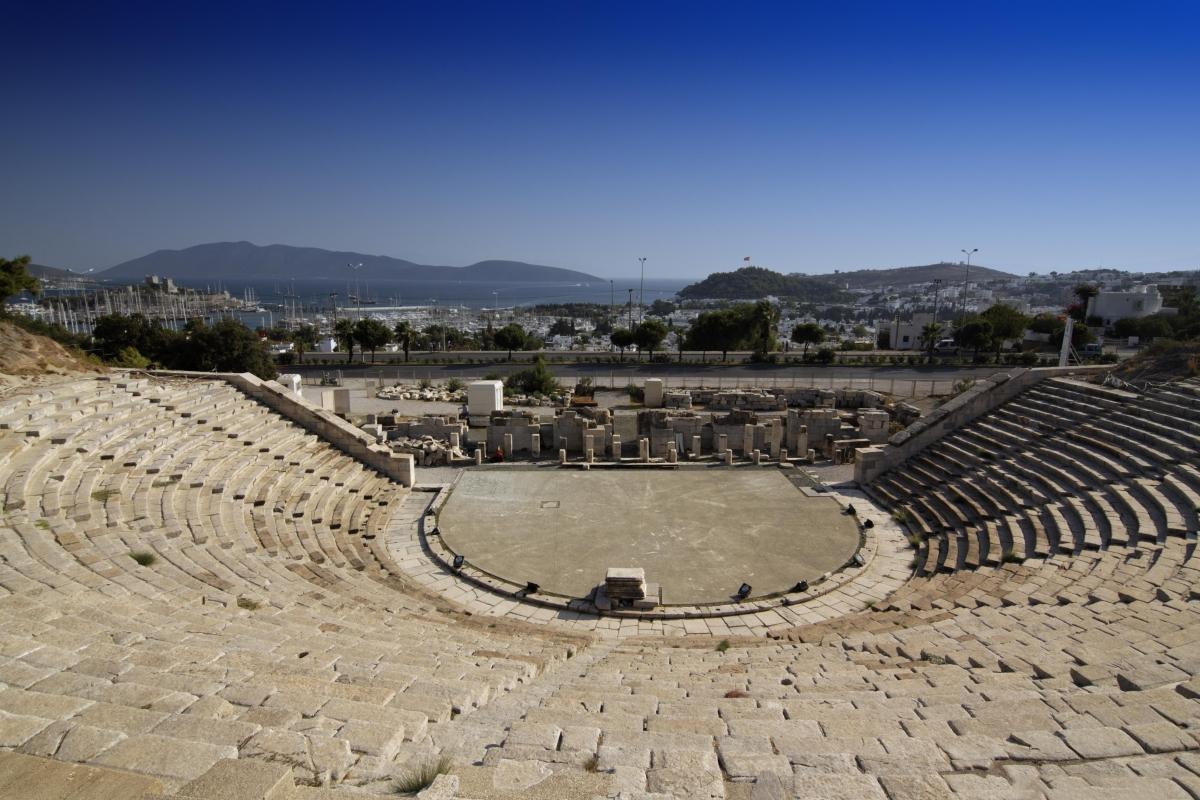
x=753 y=283
x=903 y=276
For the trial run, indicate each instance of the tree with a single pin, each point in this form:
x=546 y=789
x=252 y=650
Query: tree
x=808 y=333
x=975 y=334
x=722 y=330
x=763 y=320
x=1085 y=292
x=662 y=308
x=114 y=333
x=622 y=338
x=304 y=339
x=405 y=334
x=538 y=379
x=649 y=335
x=511 y=337
x=227 y=346
x=562 y=327
x=343 y=331
x=371 y=334
x=1007 y=323
x=14 y=278
x=929 y=337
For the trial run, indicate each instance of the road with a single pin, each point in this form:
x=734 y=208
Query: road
x=691 y=372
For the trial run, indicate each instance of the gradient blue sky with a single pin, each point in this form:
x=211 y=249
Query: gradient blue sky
x=811 y=136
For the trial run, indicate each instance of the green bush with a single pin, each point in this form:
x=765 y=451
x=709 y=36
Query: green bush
x=454 y=385
x=538 y=379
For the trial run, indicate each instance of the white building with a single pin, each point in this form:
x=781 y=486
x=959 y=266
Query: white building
x=907 y=335
x=1140 y=301
x=327 y=344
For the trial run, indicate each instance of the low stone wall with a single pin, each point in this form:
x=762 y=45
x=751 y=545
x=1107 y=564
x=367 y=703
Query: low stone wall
x=341 y=434
x=985 y=395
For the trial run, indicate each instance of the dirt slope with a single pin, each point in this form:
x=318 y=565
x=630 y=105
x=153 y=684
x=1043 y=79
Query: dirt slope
x=26 y=358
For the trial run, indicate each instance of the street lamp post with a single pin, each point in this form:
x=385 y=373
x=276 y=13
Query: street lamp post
x=631 y=309
x=966 y=280
x=642 y=290
x=937 y=288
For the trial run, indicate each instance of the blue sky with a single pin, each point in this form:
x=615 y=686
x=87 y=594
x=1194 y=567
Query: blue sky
x=810 y=136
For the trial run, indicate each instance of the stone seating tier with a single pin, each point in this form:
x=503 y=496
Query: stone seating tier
x=274 y=648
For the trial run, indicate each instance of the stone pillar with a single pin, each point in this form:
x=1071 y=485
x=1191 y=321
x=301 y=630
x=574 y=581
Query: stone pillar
x=454 y=440
x=776 y=438
x=756 y=455
x=783 y=456
x=478 y=455
x=644 y=450
x=508 y=445
x=672 y=454
x=652 y=393
x=728 y=457
x=589 y=442
x=562 y=443
x=616 y=447
x=562 y=456
x=535 y=443
x=696 y=447
x=747 y=439
x=590 y=454
x=722 y=443
x=812 y=454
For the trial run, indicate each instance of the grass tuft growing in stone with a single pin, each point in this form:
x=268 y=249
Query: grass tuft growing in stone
x=722 y=645
x=143 y=557
x=42 y=524
x=248 y=604
x=420 y=777
x=1010 y=557
x=592 y=764
x=104 y=495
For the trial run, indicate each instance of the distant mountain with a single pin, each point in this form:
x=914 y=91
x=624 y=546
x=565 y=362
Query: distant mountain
x=902 y=276
x=42 y=271
x=752 y=283
x=225 y=260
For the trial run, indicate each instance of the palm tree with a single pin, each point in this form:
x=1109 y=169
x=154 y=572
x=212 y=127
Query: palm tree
x=304 y=338
x=405 y=334
x=929 y=337
x=343 y=331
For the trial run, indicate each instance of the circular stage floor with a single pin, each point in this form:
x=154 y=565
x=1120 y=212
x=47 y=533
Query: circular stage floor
x=698 y=533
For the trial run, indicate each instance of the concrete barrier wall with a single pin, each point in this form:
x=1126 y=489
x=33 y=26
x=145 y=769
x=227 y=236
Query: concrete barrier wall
x=341 y=434
x=987 y=394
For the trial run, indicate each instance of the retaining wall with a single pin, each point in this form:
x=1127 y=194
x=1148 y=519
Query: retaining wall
x=349 y=439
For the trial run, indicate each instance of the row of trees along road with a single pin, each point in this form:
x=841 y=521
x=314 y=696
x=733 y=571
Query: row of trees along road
x=369 y=335
x=648 y=335
x=745 y=326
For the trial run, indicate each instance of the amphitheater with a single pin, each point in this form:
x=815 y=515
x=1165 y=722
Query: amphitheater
x=207 y=591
